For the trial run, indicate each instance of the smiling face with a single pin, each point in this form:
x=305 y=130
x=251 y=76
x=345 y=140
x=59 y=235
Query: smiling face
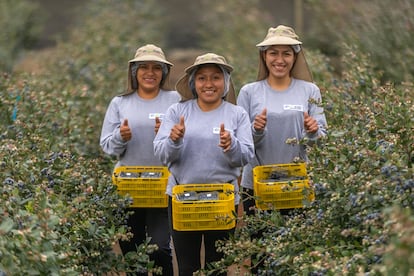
x=149 y=76
x=279 y=61
x=209 y=84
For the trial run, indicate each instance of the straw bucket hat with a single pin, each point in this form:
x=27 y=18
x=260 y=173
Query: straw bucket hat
x=149 y=52
x=284 y=35
x=183 y=86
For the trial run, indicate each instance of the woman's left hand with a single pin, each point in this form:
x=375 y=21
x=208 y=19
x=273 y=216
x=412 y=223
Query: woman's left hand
x=225 y=139
x=157 y=124
x=311 y=125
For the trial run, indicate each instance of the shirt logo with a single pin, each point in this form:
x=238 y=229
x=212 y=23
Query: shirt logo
x=297 y=107
x=216 y=130
x=152 y=116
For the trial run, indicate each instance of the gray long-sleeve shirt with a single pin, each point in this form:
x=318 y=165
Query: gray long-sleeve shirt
x=197 y=157
x=141 y=115
x=285 y=120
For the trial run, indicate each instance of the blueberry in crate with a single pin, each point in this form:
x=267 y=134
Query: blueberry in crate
x=151 y=175
x=129 y=175
x=187 y=196
x=214 y=195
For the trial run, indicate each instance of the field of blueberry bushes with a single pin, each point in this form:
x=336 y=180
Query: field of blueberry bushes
x=60 y=214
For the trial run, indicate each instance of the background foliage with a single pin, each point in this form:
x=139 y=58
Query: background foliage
x=382 y=28
x=21 y=23
x=56 y=194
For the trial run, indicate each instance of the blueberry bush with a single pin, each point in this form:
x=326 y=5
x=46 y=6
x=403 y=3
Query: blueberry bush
x=59 y=212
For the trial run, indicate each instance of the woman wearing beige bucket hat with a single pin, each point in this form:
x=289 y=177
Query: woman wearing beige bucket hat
x=128 y=130
x=205 y=139
x=282 y=104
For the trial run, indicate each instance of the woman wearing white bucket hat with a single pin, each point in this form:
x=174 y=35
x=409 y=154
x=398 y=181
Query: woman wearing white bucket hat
x=282 y=104
x=131 y=122
x=205 y=139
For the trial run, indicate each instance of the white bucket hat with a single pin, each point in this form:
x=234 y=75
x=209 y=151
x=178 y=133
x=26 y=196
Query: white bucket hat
x=284 y=35
x=183 y=84
x=149 y=52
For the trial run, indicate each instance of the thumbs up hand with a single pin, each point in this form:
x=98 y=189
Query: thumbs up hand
x=178 y=130
x=125 y=131
x=225 y=139
x=157 y=124
x=260 y=121
x=310 y=124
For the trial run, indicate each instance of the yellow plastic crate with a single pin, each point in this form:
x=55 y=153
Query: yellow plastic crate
x=145 y=185
x=192 y=214
x=281 y=186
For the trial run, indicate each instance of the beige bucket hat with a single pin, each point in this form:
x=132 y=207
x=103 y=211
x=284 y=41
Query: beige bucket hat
x=284 y=35
x=149 y=52
x=183 y=86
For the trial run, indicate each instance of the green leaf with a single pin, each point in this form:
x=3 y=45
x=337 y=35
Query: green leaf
x=6 y=225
